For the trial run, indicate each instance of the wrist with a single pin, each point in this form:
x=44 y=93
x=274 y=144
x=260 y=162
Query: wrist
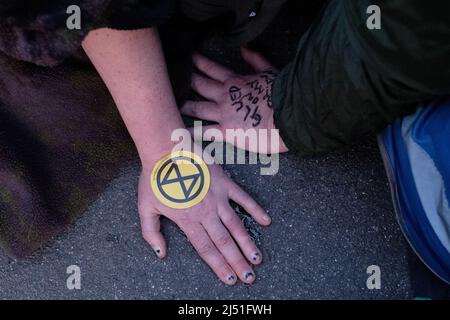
x=282 y=148
x=149 y=158
x=151 y=155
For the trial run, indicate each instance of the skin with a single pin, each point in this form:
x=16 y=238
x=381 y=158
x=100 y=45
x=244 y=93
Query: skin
x=132 y=65
x=235 y=101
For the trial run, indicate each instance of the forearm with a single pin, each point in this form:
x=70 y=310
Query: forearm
x=132 y=65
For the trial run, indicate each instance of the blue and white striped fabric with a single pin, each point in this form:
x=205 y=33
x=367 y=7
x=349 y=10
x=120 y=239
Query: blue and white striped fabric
x=416 y=152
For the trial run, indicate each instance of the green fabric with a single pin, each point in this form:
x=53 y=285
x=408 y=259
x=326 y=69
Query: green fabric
x=347 y=81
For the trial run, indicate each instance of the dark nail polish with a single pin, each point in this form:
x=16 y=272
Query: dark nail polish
x=248 y=275
x=231 y=278
x=158 y=251
x=256 y=255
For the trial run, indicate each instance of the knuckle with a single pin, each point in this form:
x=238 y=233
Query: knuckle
x=183 y=222
x=205 y=249
x=196 y=81
x=201 y=109
x=223 y=240
x=228 y=219
x=232 y=222
x=187 y=107
x=247 y=241
x=194 y=110
x=202 y=81
x=252 y=205
x=235 y=81
x=236 y=224
x=247 y=198
x=223 y=98
x=208 y=65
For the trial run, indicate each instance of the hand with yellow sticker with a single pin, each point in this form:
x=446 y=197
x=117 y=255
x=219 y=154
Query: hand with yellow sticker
x=209 y=222
x=181 y=187
x=195 y=196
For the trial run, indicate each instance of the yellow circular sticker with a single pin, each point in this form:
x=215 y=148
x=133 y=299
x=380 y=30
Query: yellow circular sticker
x=180 y=180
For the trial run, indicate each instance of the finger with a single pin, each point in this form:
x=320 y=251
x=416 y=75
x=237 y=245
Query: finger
x=208 y=88
x=209 y=133
x=257 y=60
x=226 y=245
x=201 y=110
x=150 y=226
x=237 y=229
x=251 y=206
x=211 y=69
x=209 y=253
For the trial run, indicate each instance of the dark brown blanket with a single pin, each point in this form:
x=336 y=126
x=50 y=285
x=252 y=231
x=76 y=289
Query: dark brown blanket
x=61 y=138
x=61 y=142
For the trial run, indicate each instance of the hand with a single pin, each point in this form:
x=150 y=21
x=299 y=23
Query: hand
x=236 y=101
x=212 y=226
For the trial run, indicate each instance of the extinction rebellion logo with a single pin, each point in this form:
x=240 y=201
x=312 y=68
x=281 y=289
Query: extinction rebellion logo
x=180 y=180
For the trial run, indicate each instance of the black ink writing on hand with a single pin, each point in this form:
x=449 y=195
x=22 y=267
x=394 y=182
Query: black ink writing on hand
x=235 y=93
x=259 y=89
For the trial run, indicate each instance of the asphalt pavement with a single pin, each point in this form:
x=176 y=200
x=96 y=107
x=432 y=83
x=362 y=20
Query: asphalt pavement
x=332 y=218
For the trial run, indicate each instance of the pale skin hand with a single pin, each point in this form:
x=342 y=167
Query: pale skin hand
x=235 y=101
x=131 y=63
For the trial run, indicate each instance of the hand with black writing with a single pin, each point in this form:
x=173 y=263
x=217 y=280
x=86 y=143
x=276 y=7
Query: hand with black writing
x=237 y=102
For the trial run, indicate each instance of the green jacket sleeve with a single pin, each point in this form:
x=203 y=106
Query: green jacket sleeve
x=347 y=81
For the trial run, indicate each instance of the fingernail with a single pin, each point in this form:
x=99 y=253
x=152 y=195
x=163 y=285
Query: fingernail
x=249 y=275
x=231 y=278
x=157 y=251
x=266 y=218
x=256 y=256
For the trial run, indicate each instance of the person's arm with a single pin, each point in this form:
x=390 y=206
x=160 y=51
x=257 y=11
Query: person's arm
x=132 y=65
x=345 y=82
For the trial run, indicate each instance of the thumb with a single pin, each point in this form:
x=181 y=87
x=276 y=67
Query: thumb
x=150 y=225
x=257 y=60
